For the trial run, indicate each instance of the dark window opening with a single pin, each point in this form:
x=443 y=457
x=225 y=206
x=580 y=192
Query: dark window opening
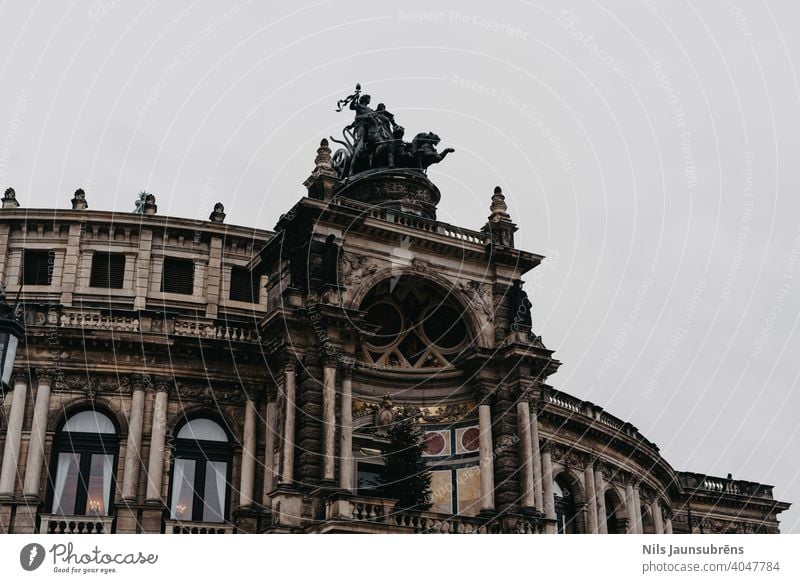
x=177 y=276
x=244 y=285
x=108 y=270
x=368 y=478
x=37 y=267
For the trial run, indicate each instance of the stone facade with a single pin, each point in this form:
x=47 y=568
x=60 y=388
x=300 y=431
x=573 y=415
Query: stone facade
x=358 y=308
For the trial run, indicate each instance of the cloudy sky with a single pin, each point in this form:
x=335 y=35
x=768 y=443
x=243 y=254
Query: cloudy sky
x=650 y=150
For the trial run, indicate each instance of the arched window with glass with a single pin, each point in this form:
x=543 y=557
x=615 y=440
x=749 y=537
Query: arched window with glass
x=565 y=506
x=201 y=467
x=84 y=461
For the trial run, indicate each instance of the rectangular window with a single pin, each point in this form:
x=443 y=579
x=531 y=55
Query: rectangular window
x=177 y=276
x=368 y=478
x=37 y=267
x=108 y=270
x=244 y=285
x=65 y=488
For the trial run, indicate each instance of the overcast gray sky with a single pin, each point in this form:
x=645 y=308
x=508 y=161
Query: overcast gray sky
x=649 y=149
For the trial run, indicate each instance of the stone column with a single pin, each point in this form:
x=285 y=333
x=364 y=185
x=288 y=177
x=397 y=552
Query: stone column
x=287 y=461
x=16 y=417
x=667 y=525
x=600 y=490
x=248 y=477
x=155 y=465
x=329 y=419
x=133 y=449
x=658 y=523
x=528 y=498
x=547 y=489
x=630 y=507
x=269 y=449
x=33 y=467
x=346 y=438
x=537 y=458
x=486 y=453
x=638 y=506
x=591 y=498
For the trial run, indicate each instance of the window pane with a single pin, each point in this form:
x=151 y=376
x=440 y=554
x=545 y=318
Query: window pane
x=202 y=429
x=37 y=267
x=89 y=422
x=183 y=489
x=214 y=495
x=108 y=270
x=65 y=487
x=177 y=276
x=98 y=491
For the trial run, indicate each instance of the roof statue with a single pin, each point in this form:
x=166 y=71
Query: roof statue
x=374 y=141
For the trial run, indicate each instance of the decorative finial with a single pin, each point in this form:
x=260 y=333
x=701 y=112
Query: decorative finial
x=218 y=214
x=322 y=163
x=499 y=208
x=79 y=201
x=10 y=199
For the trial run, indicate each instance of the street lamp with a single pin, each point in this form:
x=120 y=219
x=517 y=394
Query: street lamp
x=11 y=332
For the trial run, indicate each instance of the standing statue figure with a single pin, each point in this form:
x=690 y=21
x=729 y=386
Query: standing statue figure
x=367 y=132
x=330 y=261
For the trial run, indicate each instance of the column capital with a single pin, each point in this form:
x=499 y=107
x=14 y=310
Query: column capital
x=484 y=391
x=288 y=362
x=330 y=360
x=20 y=376
x=163 y=384
x=141 y=382
x=252 y=392
x=46 y=376
x=346 y=367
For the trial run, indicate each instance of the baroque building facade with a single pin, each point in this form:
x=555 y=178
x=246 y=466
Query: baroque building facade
x=183 y=376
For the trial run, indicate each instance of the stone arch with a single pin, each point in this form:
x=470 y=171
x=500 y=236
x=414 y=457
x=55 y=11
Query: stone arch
x=482 y=335
x=108 y=406
x=234 y=428
x=616 y=515
x=569 y=506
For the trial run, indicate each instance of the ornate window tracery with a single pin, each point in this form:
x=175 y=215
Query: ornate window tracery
x=412 y=324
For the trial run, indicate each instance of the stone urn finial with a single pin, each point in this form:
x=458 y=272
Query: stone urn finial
x=79 y=200
x=10 y=199
x=218 y=214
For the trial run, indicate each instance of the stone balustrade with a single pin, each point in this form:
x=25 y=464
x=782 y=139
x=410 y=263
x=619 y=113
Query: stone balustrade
x=177 y=527
x=433 y=523
x=65 y=317
x=57 y=524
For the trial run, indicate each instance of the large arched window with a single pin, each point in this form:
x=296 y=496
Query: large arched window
x=201 y=472
x=83 y=463
x=565 y=507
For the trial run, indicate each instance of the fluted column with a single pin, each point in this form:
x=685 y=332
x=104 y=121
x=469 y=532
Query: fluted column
x=486 y=453
x=329 y=419
x=133 y=449
x=346 y=438
x=41 y=408
x=269 y=449
x=537 y=458
x=155 y=465
x=658 y=522
x=591 y=498
x=16 y=417
x=630 y=507
x=525 y=454
x=547 y=489
x=600 y=490
x=287 y=458
x=638 y=506
x=248 y=476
